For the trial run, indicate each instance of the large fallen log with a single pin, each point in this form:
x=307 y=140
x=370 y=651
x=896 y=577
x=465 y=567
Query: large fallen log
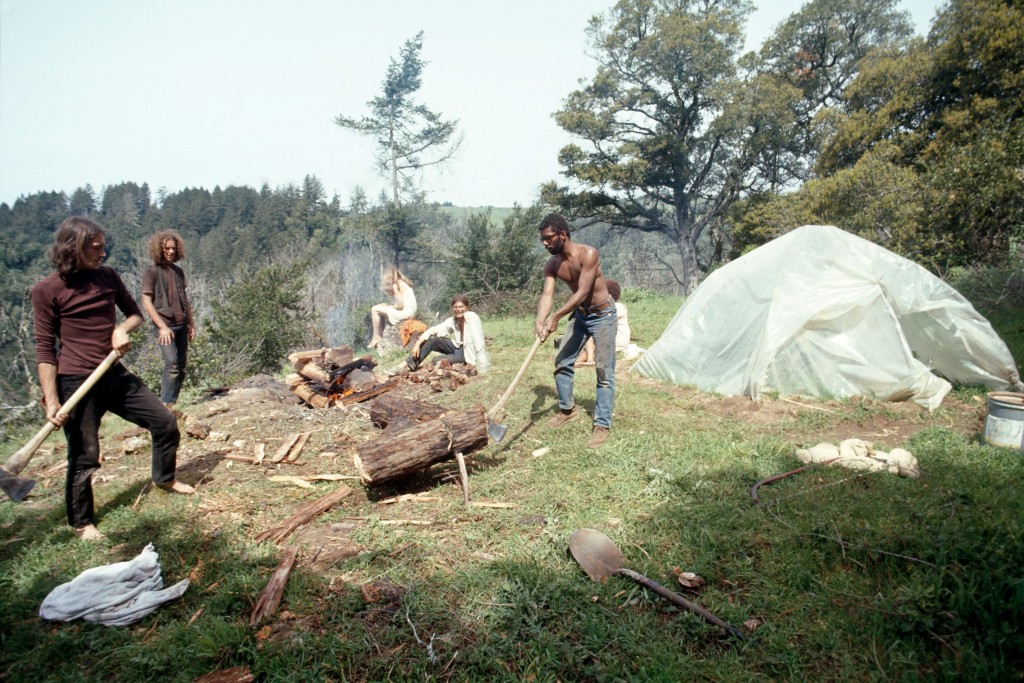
x=317 y=507
x=388 y=408
x=395 y=455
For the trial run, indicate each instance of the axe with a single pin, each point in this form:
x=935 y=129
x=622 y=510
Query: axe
x=16 y=488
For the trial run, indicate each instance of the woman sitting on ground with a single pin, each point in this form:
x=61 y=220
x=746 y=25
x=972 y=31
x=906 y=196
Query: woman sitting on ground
x=398 y=286
x=460 y=338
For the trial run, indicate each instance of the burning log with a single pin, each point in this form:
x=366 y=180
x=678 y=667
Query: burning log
x=395 y=455
x=361 y=396
x=307 y=394
x=387 y=409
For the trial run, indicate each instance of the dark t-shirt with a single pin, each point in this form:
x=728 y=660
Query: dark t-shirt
x=81 y=314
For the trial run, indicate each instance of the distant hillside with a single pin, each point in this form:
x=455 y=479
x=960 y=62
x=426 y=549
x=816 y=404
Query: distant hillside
x=498 y=213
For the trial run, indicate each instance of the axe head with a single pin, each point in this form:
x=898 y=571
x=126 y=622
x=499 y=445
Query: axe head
x=16 y=488
x=495 y=431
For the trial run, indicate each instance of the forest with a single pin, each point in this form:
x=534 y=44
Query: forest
x=687 y=153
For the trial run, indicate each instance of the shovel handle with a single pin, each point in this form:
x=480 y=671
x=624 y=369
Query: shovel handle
x=515 y=382
x=17 y=462
x=679 y=600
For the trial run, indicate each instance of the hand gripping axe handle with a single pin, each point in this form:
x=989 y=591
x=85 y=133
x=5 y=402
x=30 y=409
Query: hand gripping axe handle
x=16 y=488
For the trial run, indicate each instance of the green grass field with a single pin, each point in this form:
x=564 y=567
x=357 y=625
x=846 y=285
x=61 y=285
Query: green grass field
x=836 y=575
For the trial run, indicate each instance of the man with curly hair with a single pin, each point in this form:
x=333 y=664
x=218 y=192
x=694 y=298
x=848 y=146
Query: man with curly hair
x=165 y=299
x=75 y=311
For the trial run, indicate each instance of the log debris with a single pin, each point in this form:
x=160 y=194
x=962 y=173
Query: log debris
x=319 y=506
x=270 y=598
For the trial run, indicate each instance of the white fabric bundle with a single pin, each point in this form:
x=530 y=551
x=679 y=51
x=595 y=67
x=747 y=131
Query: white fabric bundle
x=855 y=454
x=115 y=594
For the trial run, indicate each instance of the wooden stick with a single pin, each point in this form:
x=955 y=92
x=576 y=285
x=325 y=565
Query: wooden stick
x=270 y=598
x=286 y=447
x=463 y=477
x=361 y=396
x=293 y=452
x=317 y=507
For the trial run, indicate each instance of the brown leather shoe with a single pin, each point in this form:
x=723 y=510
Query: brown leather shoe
x=598 y=437
x=562 y=417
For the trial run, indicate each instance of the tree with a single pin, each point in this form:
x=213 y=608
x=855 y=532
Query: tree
x=677 y=127
x=260 y=316
x=409 y=136
x=490 y=263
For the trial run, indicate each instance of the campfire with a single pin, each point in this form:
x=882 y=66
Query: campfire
x=334 y=377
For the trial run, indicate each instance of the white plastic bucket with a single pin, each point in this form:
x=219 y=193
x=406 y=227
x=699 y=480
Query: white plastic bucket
x=1004 y=425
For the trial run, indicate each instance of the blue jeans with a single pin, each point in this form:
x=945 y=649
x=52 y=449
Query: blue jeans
x=600 y=325
x=175 y=357
x=122 y=393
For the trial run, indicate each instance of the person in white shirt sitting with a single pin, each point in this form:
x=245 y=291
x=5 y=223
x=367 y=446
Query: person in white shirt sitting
x=460 y=339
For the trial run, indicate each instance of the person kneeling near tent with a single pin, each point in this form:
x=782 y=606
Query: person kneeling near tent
x=460 y=338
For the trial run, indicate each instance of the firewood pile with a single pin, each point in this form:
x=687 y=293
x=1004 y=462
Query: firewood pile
x=443 y=375
x=334 y=377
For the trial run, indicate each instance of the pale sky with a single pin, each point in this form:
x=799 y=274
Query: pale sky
x=200 y=93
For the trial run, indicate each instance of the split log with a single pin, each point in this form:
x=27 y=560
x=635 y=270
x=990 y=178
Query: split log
x=314 y=372
x=311 y=510
x=340 y=355
x=361 y=396
x=304 y=356
x=387 y=409
x=290 y=443
x=306 y=393
x=293 y=380
x=393 y=456
x=270 y=598
x=296 y=449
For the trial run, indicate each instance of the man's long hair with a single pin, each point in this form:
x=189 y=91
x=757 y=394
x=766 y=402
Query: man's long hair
x=69 y=244
x=155 y=247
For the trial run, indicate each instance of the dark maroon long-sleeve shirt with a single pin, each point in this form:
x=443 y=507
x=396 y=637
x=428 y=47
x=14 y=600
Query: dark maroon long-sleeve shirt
x=81 y=315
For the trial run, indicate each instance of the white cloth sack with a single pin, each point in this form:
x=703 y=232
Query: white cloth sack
x=115 y=594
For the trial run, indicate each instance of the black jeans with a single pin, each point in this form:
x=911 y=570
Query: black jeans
x=123 y=394
x=453 y=354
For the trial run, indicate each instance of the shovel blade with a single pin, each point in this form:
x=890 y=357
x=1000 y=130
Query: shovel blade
x=496 y=431
x=16 y=488
x=595 y=553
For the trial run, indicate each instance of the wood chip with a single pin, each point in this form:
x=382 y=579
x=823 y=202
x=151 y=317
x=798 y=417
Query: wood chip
x=291 y=480
x=410 y=497
x=488 y=504
x=281 y=531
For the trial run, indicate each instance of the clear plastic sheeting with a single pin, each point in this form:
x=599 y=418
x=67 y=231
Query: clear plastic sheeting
x=822 y=312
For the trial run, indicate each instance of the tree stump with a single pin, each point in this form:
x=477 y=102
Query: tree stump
x=395 y=455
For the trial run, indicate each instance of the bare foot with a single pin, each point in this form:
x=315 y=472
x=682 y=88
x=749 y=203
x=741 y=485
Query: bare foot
x=373 y=343
x=177 y=487
x=89 y=533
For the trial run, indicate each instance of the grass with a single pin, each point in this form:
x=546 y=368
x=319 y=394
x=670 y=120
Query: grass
x=846 y=576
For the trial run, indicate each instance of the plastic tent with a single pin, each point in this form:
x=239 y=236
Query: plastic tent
x=822 y=312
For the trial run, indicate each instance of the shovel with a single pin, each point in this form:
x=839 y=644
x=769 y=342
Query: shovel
x=16 y=488
x=497 y=431
x=600 y=558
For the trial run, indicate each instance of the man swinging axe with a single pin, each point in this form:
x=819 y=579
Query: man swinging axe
x=77 y=307
x=594 y=316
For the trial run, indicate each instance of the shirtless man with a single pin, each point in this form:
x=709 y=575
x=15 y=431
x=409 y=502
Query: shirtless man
x=579 y=266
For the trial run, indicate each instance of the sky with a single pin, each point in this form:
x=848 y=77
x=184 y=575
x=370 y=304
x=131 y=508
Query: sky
x=201 y=93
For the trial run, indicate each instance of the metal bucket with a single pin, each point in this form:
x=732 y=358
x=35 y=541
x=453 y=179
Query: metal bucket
x=1004 y=425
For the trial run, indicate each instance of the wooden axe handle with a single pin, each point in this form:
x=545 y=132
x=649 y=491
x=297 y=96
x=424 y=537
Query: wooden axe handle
x=522 y=371
x=17 y=462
